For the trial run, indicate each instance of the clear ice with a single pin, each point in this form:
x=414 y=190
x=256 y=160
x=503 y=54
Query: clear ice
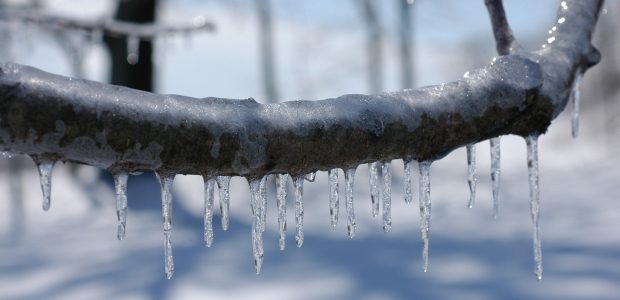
x=258 y=205
x=165 y=182
x=387 y=196
x=281 y=180
x=472 y=178
x=120 y=186
x=133 y=50
x=298 y=182
x=532 y=166
x=373 y=170
x=333 y=196
x=349 y=179
x=45 y=168
x=223 y=185
x=425 y=209
x=209 y=185
x=408 y=164
x=575 y=99
x=495 y=172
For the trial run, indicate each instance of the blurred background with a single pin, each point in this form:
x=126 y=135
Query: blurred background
x=277 y=50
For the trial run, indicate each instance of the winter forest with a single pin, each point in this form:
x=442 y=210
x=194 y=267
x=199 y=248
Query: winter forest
x=277 y=149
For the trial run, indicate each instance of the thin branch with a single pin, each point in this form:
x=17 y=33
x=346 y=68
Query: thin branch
x=501 y=29
x=109 y=27
x=119 y=128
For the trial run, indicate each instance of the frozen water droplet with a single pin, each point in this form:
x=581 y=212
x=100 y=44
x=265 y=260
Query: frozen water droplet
x=311 y=176
x=258 y=204
x=298 y=182
x=387 y=196
x=375 y=193
x=133 y=50
x=120 y=185
x=575 y=96
x=408 y=182
x=532 y=166
x=349 y=179
x=6 y=154
x=281 y=180
x=165 y=181
x=472 y=178
x=45 y=167
x=209 y=185
x=223 y=185
x=495 y=172
x=425 y=209
x=333 y=196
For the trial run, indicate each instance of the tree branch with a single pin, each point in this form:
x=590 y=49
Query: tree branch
x=119 y=128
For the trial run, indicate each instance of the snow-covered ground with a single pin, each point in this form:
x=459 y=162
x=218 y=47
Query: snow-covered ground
x=71 y=252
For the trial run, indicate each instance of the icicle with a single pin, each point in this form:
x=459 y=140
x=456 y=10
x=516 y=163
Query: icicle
x=373 y=170
x=133 y=50
x=425 y=209
x=408 y=190
x=281 y=180
x=166 y=180
x=333 y=196
x=120 y=185
x=495 y=171
x=575 y=100
x=472 y=178
x=298 y=182
x=311 y=176
x=223 y=185
x=349 y=178
x=258 y=206
x=209 y=185
x=387 y=196
x=45 y=167
x=532 y=166
x=263 y=202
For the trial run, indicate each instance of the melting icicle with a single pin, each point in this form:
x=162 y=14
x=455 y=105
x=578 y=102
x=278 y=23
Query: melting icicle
x=408 y=189
x=209 y=186
x=45 y=173
x=472 y=178
x=299 y=210
x=133 y=50
x=425 y=209
x=575 y=99
x=120 y=185
x=532 y=166
x=349 y=178
x=257 y=206
x=223 y=185
x=281 y=180
x=387 y=196
x=333 y=196
x=166 y=207
x=495 y=171
x=373 y=170
x=311 y=176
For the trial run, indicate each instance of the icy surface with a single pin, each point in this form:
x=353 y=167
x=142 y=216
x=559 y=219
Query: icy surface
x=223 y=185
x=349 y=179
x=472 y=178
x=575 y=102
x=299 y=210
x=387 y=196
x=209 y=187
x=425 y=209
x=495 y=172
x=120 y=186
x=375 y=192
x=408 y=167
x=45 y=168
x=165 y=182
x=333 y=196
x=532 y=167
x=281 y=180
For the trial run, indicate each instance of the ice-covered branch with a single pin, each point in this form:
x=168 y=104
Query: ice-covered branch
x=109 y=27
x=501 y=29
x=61 y=118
